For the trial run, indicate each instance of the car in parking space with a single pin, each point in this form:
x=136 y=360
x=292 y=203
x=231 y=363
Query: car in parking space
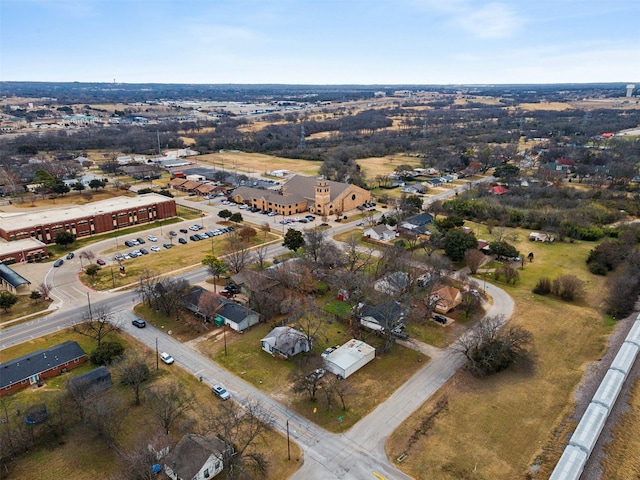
x=70 y=255
x=327 y=351
x=140 y=240
x=440 y=319
x=118 y=257
x=226 y=293
x=126 y=256
x=58 y=263
x=129 y=243
x=167 y=245
x=221 y=392
x=166 y=358
x=311 y=218
x=101 y=262
x=303 y=220
x=183 y=230
x=152 y=238
x=182 y=241
x=173 y=233
x=155 y=248
x=254 y=209
x=144 y=251
x=399 y=333
x=138 y=322
x=230 y=229
x=202 y=236
x=194 y=228
x=194 y=238
x=272 y=214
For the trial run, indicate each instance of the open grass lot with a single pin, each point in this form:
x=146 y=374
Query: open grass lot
x=498 y=427
x=246 y=359
x=25 y=306
x=82 y=455
x=374 y=166
x=257 y=163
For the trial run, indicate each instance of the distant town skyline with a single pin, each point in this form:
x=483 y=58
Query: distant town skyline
x=318 y=42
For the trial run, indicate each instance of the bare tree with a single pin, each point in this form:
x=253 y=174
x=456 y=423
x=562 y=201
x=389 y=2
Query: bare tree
x=168 y=294
x=45 y=290
x=239 y=255
x=138 y=459
x=265 y=228
x=104 y=415
x=133 y=371
x=87 y=255
x=242 y=429
x=357 y=257
x=474 y=259
x=341 y=387
x=470 y=303
x=168 y=403
x=146 y=284
x=98 y=323
x=315 y=240
x=568 y=287
x=261 y=254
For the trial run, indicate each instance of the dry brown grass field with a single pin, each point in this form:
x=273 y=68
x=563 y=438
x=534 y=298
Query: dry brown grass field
x=622 y=460
x=498 y=427
x=553 y=106
x=374 y=166
x=69 y=199
x=257 y=163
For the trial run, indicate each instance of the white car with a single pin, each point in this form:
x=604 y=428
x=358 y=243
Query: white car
x=166 y=358
x=152 y=238
x=194 y=228
x=221 y=392
x=155 y=248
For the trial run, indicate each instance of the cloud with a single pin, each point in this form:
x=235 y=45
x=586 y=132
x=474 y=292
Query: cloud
x=492 y=20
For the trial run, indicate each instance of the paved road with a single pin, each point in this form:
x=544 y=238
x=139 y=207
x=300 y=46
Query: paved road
x=356 y=454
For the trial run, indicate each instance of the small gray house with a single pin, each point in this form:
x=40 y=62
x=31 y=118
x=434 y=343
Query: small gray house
x=285 y=342
x=210 y=306
x=195 y=457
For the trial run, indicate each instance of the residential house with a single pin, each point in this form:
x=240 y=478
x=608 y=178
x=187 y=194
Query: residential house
x=212 y=307
x=540 y=237
x=416 y=188
x=195 y=457
x=250 y=281
x=417 y=224
x=285 y=342
x=32 y=368
x=444 y=298
x=382 y=316
x=392 y=283
x=498 y=190
x=382 y=233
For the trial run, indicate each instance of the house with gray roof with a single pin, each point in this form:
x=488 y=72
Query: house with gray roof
x=34 y=367
x=382 y=232
x=211 y=307
x=195 y=457
x=285 y=342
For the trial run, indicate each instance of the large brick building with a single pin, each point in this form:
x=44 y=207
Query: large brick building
x=85 y=220
x=305 y=194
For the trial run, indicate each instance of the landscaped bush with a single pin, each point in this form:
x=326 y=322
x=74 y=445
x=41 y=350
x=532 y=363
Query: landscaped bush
x=543 y=287
x=106 y=353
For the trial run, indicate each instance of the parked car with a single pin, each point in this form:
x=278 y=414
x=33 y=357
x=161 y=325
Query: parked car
x=166 y=245
x=138 y=322
x=152 y=238
x=221 y=392
x=129 y=243
x=101 y=262
x=226 y=293
x=327 y=351
x=311 y=218
x=359 y=224
x=140 y=240
x=70 y=255
x=194 y=238
x=317 y=374
x=272 y=214
x=182 y=241
x=397 y=331
x=183 y=230
x=440 y=319
x=58 y=263
x=144 y=251
x=155 y=248
x=173 y=233
x=166 y=358
x=194 y=228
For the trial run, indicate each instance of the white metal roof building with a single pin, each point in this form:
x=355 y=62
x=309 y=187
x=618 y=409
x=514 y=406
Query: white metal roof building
x=349 y=358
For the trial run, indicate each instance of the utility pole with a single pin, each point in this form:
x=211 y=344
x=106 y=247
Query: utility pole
x=157 y=360
x=89 y=302
x=288 y=443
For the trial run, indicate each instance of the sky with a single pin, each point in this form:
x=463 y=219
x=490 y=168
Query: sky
x=320 y=42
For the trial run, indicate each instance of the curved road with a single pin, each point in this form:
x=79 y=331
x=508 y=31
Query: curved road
x=356 y=454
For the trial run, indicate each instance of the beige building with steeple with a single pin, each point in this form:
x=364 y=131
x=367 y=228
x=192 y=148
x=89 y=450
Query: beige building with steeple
x=305 y=194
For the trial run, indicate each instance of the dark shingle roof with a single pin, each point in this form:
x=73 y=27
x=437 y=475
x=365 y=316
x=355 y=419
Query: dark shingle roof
x=191 y=453
x=12 y=278
x=23 y=367
x=97 y=380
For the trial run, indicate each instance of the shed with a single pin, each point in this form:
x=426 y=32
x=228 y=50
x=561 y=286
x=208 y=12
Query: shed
x=349 y=358
x=91 y=382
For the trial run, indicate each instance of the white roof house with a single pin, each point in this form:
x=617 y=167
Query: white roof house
x=349 y=358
